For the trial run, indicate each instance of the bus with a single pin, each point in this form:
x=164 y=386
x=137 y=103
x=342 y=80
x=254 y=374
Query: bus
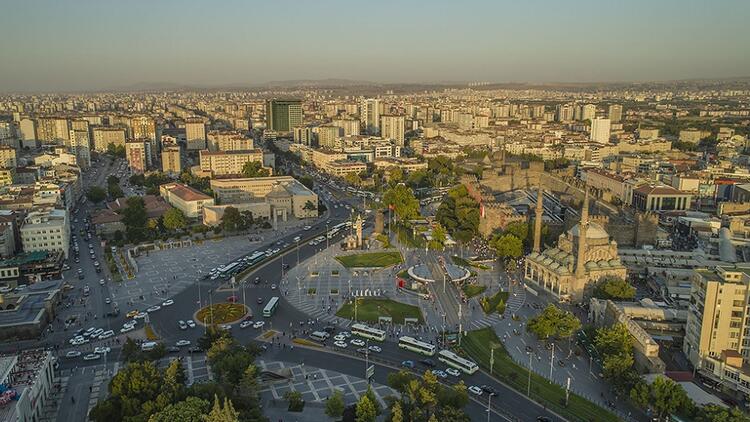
x=255 y=258
x=452 y=359
x=367 y=332
x=226 y=270
x=271 y=307
x=410 y=343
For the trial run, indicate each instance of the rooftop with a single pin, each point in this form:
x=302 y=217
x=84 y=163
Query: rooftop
x=184 y=192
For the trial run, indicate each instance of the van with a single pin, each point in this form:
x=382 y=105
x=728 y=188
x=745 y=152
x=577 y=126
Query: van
x=149 y=345
x=319 y=335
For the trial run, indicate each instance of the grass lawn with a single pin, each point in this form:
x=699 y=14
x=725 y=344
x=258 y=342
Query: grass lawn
x=312 y=291
x=471 y=290
x=477 y=345
x=466 y=263
x=368 y=310
x=490 y=304
x=221 y=313
x=370 y=260
x=403 y=274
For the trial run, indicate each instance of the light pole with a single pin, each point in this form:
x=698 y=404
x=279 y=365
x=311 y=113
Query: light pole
x=492 y=359
x=551 y=362
x=367 y=359
x=489 y=402
x=460 y=324
x=528 y=388
x=297 y=253
x=443 y=281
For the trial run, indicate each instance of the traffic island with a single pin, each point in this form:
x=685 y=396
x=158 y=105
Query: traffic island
x=371 y=260
x=371 y=309
x=221 y=313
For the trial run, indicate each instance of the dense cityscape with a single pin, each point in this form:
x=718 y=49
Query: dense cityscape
x=402 y=245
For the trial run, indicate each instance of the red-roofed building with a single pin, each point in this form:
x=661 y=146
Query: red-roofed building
x=660 y=198
x=185 y=198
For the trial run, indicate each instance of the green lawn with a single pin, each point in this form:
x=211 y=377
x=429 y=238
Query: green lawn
x=477 y=345
x=471 y=290
x=466 y=263
x=368 y=310
x=490 y=304
x=370 y=260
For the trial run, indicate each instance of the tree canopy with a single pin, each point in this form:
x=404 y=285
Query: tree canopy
x=174 y=219
x=135 y=219
x=425 y=398
x=96 y=194
x=553 y=322
x=401 y=199
x=459 y=214
x=614 y=288
x=254 y=169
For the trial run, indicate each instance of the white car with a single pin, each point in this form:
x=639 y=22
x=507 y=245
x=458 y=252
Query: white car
x=127 y=328
x=345 y=334
x=97 y=333
x=340 y=344
x=339 y=337
x=167 y=302
x=106 y=334
x=102 y=350
x=107 y=301
x=357 y=342
x=182 y=325
x=306 y=228
x=245 y=324
x=73 y=354
x=453 y=371
x=153 y=308
x=273 y=287
x=475 y=390
x=225 y=327
x=259 y=324
x=375 y=349
x=101 y=282
x=92 y=356
x=182 y=343
x=190 y=323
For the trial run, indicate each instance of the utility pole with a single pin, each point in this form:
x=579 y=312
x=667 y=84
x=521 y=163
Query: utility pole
x=528 y=388
x=460 y=324
x=489 y=402
x=492 y=359
x=551 y=362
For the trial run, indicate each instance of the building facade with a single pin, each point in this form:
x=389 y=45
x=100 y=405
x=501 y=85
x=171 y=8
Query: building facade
x=223 y=163
x=47 y=230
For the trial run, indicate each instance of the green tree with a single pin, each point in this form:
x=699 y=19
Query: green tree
x=716 y=413
x=397 y=415
x=518 y=229
x=366 y=410
x=295 y=400
x=395 y=175
x=664 y=396
x=254 y=169
x=614 y=340
x=115 y=191
x=353 y=179
x=116 y=150
x=222 y=413
x=401 y=199
x=231 y=220
x=137 y=179
x=335 y=404
x=507 y=246
x=192 y=409
x=96 y=194
x=134 y=218
x=112 y=179
x=614 y=288
x=553 y=321
x=307 y=181
x=174 y=219
x=309 y=206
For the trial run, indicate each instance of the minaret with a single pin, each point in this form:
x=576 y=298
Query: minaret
x=538 y=221
x=582 y=226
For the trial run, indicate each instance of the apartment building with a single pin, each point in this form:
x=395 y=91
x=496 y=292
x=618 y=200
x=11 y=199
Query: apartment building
x=170 y=160
x=283 y=115
x=46 y=230
x=228 y=140
x=138 y=154
x=103 y=136
x=223 y=163
x=8 y=157
x=195 y=134
x=392 y=127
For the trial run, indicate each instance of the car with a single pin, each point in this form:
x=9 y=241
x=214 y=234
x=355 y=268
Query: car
x=195 y=349
x=306 y=228
x=182 y=325
x=140 y=315
x=407 y=364
x=297 y=238
x=232 y=299
x=107 y=301
x=225 y=327
x=92 y=356
x=259 y=300
x=101 y=282
x=173 y=349
x=475 y=390
x=428 y=362
x=543 y=419
x=453 y=371
x=245 y=324
x=73 y=354
x=132 y=314
x=339 y=337
x=127 y=328
x=362 y=350
x=190 y=323
x=375 y=349
x=102 y=350
x=182 y=343
x=357 y=342
x=440 y=374
x=97 y=333
x=168 y=302
x=153 y=308
x=346 y=334
x=273 y=287
x=259 y=324
x=489 y=390
x=340 y=344
x=107 y=334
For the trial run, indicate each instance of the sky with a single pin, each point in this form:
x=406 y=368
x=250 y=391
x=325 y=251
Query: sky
x=52 y=45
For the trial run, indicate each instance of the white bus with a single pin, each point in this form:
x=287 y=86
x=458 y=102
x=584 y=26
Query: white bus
x=367 y=332
x=452 y=359
x=226 y=270
x=271 y=307
x=410 y=343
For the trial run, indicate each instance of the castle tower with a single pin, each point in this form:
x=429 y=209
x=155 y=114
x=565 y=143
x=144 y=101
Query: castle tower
x=580 y=256
x=538 y=221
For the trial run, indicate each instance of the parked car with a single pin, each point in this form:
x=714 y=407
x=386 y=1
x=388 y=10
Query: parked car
x=182 y=343
x=92 y=356
x=475 y=390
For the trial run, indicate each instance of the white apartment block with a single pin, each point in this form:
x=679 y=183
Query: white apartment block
x=222 y=163
x=47 y=230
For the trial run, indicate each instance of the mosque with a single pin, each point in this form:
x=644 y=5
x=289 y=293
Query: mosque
x=584 y=254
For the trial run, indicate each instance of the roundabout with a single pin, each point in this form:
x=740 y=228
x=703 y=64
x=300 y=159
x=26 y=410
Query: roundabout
x=221 y=313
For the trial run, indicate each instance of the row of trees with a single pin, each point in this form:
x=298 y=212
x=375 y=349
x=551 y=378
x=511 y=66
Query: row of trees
x=98 y=194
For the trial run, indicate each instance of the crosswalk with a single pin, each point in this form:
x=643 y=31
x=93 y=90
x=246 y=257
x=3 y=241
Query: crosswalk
x=321 y=315
x=486 y=321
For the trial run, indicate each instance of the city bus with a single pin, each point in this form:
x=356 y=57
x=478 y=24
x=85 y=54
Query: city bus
x=255 y=258
x=226 y=270
x=367 y=332
x=452 y=359
x=271 y=307
x=410 y=343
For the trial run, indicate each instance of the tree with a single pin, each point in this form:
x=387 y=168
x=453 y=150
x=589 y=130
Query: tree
x=192 y=409
x=137 y=180
x=231 y=220
x=115 y=191
x=365 y=410
x=614 y=288
x=459 y=214
x=616 y=346
x=397 y=415
x=174 y=219
x=395 y=175
x=716 y=413
x=518 y=229
x=116 y=150
x=335 y=404
x=507 y=246
x=663 y=395
x=295 y=400
x=134 y=218
x=112 y=179
x=401 y=199
x=96 y=194
x=222 y=413
x=553 y=321
x=309 y=206
x=254 y=169
x=307 y=181
x=614 y=340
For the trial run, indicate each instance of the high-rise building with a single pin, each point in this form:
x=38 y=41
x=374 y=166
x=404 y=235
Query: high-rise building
x=47 y=230
x=28 y=134
x=228 y=140
x=369 y=115
x=328 y=136
x=351 y=126
x=170 y=160
x=392 y=127
x=303 y=135
x=615 y=113
x=283 y=115
x=600 y=130
x=138 y=153
x=565 y=112
x=8 y=157
x=588 y=112
x=144 y=127
x=80 y=145
x=195 y=134
x=104 y=136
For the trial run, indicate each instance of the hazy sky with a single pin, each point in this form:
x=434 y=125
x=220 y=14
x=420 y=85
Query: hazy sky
x=100 y=44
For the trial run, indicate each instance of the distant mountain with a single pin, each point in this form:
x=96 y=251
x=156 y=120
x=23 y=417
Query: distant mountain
x=317 y=83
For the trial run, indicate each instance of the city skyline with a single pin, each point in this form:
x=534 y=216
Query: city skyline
x=88 y=46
